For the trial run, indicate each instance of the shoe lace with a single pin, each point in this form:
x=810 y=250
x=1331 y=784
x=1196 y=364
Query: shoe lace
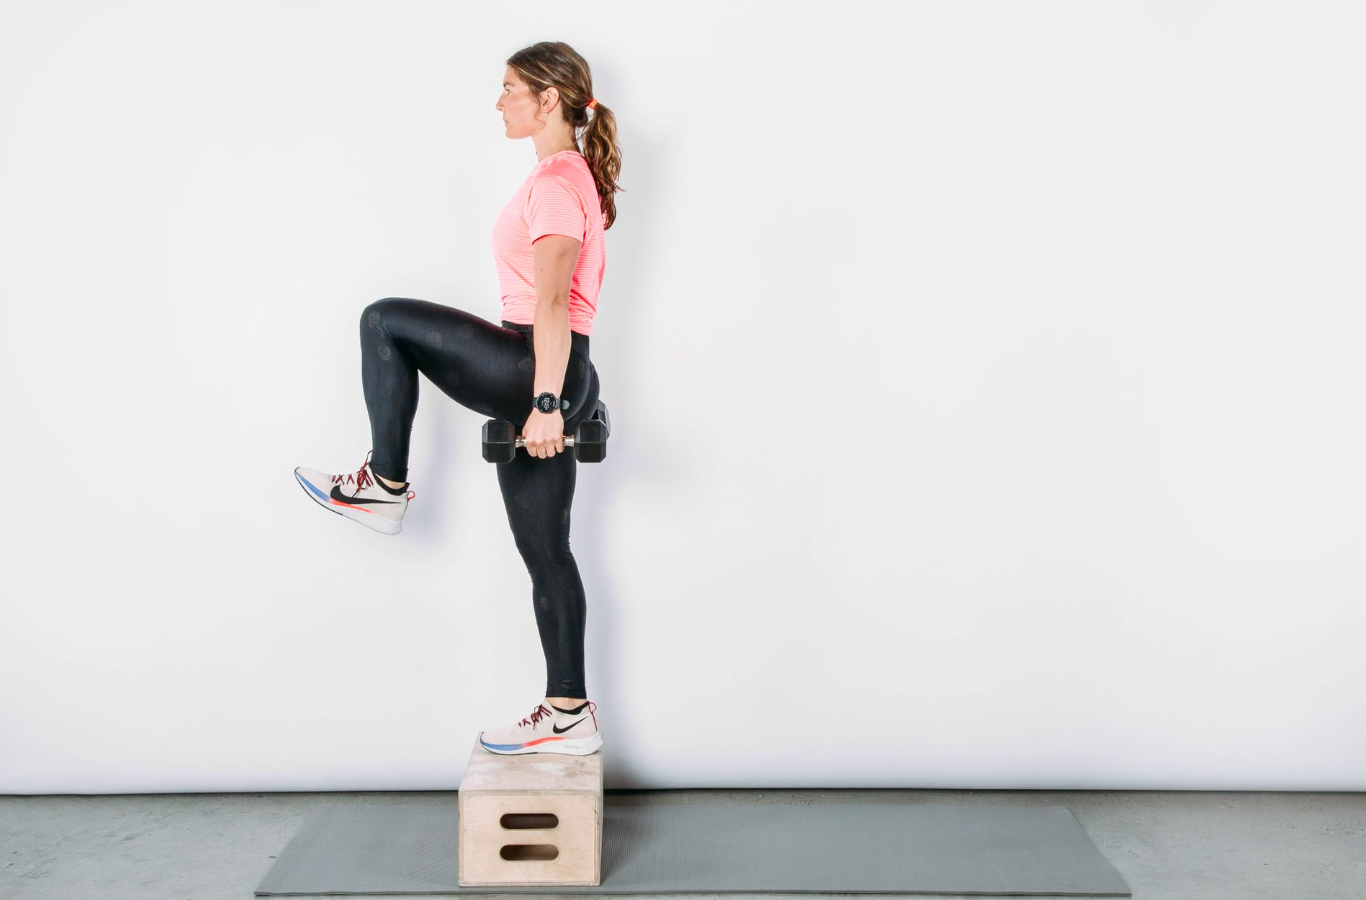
x=361 y=479
x=537 y=714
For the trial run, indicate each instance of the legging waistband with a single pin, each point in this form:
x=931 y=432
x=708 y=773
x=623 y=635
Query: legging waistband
x=574 y=336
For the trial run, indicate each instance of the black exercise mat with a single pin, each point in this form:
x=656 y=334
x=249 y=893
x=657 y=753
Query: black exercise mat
x=724 y=846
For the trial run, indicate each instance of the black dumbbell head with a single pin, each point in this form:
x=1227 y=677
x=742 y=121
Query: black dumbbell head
x=590 y=441
x=499 y=441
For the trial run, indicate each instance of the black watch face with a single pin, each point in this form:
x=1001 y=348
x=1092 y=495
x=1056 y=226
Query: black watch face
x=546 y=403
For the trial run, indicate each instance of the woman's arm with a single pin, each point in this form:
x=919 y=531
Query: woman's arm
x=556 y=255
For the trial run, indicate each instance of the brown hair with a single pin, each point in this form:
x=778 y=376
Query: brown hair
x=555 y=63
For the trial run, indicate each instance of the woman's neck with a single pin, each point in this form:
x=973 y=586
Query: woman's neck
x=550 y=144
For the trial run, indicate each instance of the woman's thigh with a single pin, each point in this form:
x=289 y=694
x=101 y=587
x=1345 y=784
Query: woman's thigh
x=538 y=495
x=486 y=367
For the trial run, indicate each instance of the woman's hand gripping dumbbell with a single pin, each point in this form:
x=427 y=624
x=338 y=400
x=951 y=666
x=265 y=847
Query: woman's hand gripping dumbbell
x=589 y=440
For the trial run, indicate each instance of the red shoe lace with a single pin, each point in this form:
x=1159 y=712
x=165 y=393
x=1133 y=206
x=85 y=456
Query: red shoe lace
x=361 y=478
x=540 y=712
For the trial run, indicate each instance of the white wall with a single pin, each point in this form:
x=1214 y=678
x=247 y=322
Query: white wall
x=987 y=383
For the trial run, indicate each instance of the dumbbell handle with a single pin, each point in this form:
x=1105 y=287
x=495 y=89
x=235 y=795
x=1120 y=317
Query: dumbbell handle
x=520 y=442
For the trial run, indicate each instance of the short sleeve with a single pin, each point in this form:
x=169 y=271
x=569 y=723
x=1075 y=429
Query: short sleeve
x=553 y=206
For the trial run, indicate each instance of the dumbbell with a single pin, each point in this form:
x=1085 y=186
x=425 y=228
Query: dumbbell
x=589 y=440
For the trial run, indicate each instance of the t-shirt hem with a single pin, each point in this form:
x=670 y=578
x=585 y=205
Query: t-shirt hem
x=578 y=237
x=577 y=328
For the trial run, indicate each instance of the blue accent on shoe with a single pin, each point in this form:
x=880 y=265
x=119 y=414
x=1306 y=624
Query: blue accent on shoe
x=322 y=498
x=488 y=746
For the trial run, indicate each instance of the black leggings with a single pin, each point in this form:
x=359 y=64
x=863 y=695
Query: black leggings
x=492 y=371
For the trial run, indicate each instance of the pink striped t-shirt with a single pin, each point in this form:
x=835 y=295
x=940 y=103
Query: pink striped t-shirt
x=558 y=197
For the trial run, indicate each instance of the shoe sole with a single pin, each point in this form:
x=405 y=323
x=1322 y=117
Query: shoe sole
x=582 y=747
x=355 y=514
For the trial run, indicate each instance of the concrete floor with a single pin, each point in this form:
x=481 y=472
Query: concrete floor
x=1167 y=845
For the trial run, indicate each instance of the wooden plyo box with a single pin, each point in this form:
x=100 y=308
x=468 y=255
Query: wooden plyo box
x=530 y=820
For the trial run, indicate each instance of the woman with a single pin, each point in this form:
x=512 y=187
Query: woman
x=534 y=371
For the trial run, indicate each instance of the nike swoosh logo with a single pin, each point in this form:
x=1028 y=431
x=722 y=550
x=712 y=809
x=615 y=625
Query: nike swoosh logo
x=342 y=498
x=558 y=730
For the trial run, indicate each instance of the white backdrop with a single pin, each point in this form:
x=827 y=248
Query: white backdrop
x=987 y=383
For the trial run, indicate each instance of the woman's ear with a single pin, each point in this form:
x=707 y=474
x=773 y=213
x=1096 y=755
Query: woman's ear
x=549 y=98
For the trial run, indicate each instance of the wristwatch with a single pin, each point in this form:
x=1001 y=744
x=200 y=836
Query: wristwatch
x=547 y=402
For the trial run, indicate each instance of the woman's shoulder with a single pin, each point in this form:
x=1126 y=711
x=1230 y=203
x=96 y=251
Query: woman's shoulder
x=571 y=168
x=563 y=164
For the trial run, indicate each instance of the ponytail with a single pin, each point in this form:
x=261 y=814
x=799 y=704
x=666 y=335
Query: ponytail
x=601 y=151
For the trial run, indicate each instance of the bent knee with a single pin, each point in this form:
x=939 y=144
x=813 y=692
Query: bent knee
x=374 y=313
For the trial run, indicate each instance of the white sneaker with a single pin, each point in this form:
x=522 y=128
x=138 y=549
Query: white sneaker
x=548 y=729
x=358 y=496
